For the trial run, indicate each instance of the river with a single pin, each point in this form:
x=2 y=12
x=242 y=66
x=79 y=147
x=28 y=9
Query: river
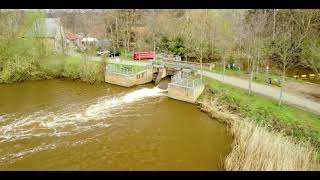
x=68 y=125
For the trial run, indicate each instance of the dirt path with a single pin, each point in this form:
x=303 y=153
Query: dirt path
x=304 y=89
x=273 y=92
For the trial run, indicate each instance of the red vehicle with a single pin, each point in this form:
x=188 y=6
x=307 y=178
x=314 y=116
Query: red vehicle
x=143 y=55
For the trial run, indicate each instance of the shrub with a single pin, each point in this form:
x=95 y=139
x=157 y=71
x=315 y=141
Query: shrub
x=52 y=67
x=17 y=70
x=92 y=71
x=71 y=68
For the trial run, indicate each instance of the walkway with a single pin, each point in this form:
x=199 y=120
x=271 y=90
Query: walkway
x=273 y=92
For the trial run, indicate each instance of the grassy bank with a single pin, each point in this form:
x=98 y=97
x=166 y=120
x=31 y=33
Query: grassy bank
x=55 y=66
x=267 y=137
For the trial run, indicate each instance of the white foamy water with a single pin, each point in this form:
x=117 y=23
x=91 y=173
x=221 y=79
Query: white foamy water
x=71 y=119
x=97 y=109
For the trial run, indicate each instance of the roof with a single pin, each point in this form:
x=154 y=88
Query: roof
x=44 y=28
x=72 y=36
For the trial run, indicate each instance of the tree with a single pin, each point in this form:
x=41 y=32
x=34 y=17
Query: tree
x=311 y=54
x=225 y=38
x=256 y=25
x=199 y=20
x=110 y=26
x=290 y=35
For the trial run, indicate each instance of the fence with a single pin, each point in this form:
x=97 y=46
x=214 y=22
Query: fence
x=175 y=79
x=124 y=69
x=186 y=82
x=189 y=83
x=171 y=58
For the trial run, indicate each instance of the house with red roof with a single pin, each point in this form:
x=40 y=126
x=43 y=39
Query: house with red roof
x=74 y=40
x=72 y=36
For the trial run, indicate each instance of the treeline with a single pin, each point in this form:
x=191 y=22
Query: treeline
x=279 y=38
x=252 y=38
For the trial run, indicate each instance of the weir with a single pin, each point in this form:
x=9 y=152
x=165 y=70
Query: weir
x=183 y=86
x=126 y=76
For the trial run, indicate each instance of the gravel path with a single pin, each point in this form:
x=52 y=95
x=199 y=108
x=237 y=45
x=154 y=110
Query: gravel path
x=273 y=92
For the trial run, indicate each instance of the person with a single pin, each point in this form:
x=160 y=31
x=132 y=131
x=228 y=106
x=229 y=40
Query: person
x=267 y=69
x=269 y=80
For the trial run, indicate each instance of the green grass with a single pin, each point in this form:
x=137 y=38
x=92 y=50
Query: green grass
x=287 y=119
x=71 y=67
x=75 y=67
x=52 y=67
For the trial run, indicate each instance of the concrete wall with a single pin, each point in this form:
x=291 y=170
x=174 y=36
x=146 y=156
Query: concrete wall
x=129 y=80
x=162 y=72
x=183 y=93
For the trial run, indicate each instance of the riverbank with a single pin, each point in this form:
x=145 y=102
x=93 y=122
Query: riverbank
x=77 y=67
x=266 y=136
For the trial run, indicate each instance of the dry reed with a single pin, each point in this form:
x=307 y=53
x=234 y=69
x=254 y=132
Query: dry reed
x=257 y=149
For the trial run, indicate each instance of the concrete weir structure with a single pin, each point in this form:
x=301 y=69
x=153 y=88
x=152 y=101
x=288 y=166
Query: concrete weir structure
x=122 y=77
x=183 y=85
x=185 y=89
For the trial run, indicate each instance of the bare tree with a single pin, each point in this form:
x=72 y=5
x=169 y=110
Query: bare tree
x=198 y=39
x=256 y=25
x=289 y=39
x=225 y=39
x=311 y=54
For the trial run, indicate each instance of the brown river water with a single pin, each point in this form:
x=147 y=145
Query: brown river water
x=67 y=125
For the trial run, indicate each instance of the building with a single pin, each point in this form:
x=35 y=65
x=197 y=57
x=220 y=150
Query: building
x=74 y=40
x=50 y=30
x=73 y=37
x=89 y=41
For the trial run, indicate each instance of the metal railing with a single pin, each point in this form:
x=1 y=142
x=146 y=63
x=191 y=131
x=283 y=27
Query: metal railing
x=186 y=82
x=175 y=78
x=124 y=69
x=171 y=58
x=189 y=83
